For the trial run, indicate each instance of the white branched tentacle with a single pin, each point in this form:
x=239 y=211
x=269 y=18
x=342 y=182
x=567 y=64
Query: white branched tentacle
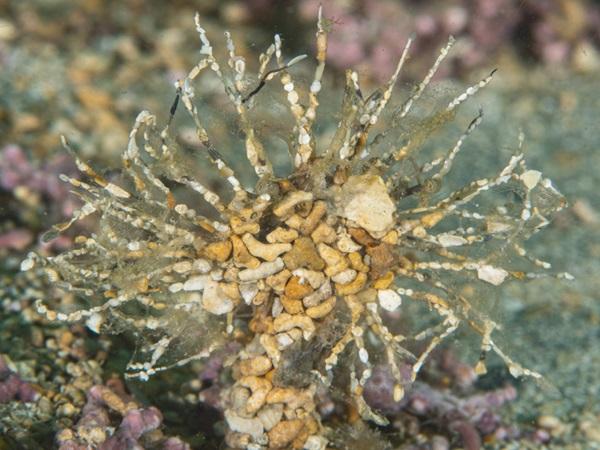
x=471 y=90
x=315 y=87
x=449 y=158
x=405 y=109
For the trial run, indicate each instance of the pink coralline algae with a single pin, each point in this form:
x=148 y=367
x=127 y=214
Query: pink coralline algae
x=33 y=188
x=471 y=416
x=139 y=427
x=12 y=387
x=370 y=33
x=17 y=170
x=16 y=239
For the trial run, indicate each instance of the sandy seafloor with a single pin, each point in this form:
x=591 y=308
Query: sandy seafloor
x=551 y=326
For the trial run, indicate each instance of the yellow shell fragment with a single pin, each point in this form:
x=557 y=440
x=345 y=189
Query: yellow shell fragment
x=367 y=203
